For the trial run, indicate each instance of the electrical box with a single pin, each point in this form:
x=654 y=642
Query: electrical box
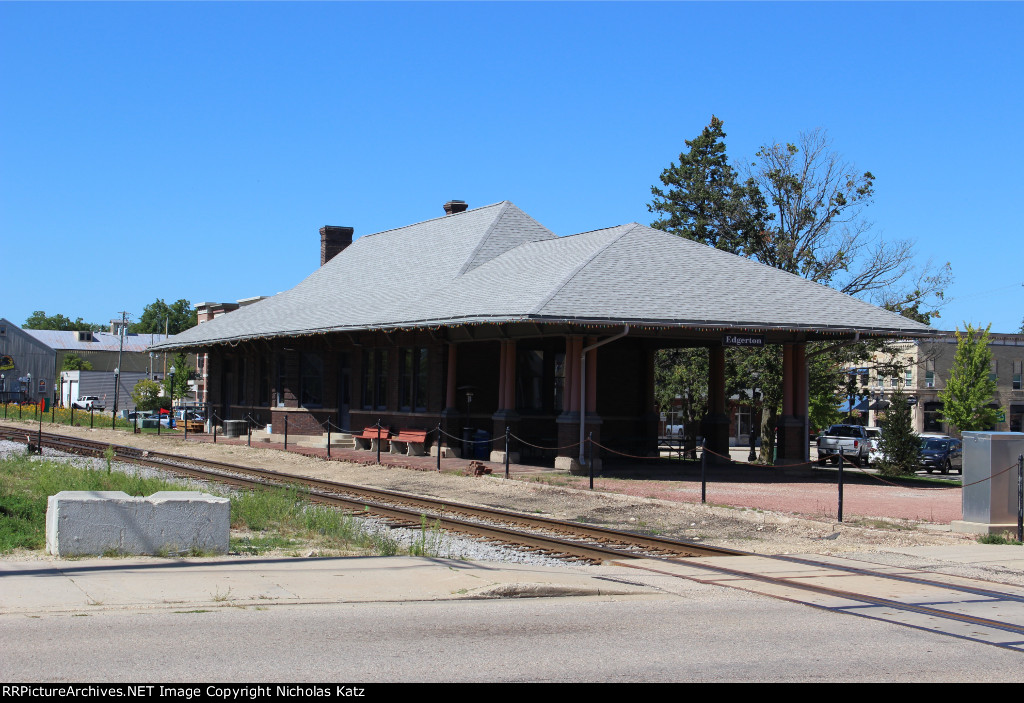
x=990 y=482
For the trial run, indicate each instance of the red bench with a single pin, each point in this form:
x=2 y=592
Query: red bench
x=369 y=436
x=409 y=442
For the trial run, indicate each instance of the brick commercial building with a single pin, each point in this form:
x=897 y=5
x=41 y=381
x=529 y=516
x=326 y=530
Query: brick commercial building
x=484 y=319
x=926 y=366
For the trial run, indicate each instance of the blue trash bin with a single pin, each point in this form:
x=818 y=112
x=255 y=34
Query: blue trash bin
x=482 y=448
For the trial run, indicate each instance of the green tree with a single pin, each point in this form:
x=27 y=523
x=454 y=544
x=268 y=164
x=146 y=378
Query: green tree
x=39 y=320
x=799 y=208
x=970 y=388
x=146 y=395
x=75 y=363
x=703 y=199
x=158 y=316
x=183 y=373
x=682 y=374
x=899 y=444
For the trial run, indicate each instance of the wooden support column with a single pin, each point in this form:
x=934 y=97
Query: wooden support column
x=510 y=375
x=450 y=390
x=716 y=423
x=792 y=437
x=568 y=422
x=450 y=418
x=505 y=415
x=787 y=380
x=591 y=377
x=502 y=370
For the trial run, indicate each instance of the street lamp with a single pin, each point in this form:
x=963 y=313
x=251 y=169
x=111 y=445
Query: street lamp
x=28 y=394
x=170 y=390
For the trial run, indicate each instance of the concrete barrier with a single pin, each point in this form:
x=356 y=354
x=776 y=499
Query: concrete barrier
x=167 y=522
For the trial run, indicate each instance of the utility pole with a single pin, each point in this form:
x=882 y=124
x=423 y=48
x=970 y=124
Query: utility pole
x=120 y=351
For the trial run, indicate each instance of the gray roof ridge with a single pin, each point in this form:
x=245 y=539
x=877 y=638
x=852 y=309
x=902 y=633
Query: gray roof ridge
x=583 y=264
x=432 y=219
x=483 y=240
x=802 y=281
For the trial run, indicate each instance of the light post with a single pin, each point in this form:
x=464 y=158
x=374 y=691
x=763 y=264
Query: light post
x=28 y=394
x=3 y=388
x=170 y=390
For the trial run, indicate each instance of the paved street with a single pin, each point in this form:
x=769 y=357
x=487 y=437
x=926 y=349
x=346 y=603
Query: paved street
x=342 y=621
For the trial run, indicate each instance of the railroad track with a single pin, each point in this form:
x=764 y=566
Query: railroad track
x=969 y=609
x=559 y=538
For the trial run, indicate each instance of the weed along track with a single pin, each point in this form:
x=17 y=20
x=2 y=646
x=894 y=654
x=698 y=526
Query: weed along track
x=557 y=538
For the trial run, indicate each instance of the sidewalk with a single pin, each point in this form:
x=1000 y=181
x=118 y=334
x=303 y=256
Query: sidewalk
x=71 y=586
x=101 y=584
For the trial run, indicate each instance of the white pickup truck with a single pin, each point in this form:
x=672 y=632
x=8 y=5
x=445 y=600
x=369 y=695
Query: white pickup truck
x=88 y=402
x=852 y=440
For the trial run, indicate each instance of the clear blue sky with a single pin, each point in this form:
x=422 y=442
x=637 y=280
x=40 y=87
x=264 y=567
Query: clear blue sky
x=193 y=150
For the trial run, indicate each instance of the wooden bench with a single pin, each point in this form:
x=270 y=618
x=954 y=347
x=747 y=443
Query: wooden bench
x=409 y=442
x=195 y=426
x=368 y=438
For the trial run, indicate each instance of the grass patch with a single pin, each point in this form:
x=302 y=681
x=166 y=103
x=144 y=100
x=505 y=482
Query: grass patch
x=25 y=485
x=264 y=521
x=1004 y=538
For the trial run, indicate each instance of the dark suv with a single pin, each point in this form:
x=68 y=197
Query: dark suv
x=942 y=454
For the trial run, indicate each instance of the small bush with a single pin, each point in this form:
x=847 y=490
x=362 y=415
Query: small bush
x=1004 y=538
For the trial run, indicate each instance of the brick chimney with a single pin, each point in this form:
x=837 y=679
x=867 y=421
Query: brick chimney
x=453 y=207
x=333 y=241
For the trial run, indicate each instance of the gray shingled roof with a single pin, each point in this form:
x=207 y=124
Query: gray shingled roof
x=497 y=264
x=101 y=341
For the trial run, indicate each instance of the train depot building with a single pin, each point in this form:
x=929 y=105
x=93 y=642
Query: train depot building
x=484 y=319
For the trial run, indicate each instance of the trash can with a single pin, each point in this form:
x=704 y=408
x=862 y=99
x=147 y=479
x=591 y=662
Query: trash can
x=482 y=448
x=234 y=428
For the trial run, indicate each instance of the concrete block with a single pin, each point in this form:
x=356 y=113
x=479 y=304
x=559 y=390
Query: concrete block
x=567 y=463
x=983 y=528
x=446 y=452
x=499 y=457
x=171 y=522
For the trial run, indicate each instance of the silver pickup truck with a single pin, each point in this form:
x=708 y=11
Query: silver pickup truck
x=853 y=440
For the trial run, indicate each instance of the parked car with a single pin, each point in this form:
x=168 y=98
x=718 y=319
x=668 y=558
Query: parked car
x=88 y=402
x=942 y=454
x=851 y=440
x=874 y=445
x=165 y=419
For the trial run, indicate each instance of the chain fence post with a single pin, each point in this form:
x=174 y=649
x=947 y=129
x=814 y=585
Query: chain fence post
x=286 y=433
x=157 y=422
x=213 y=424
x=378 y=441
x=1020 y=496
x=328 y=439
x=248 y=427
x=91 y=410
x=439 y=447
x=590 y=457
x=507 y=432
x=842 y=460
x=703 y=470
x=184 y=424
x=135 y=423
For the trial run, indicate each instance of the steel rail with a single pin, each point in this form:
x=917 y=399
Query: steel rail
x=420 y=508
x=853 y=596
